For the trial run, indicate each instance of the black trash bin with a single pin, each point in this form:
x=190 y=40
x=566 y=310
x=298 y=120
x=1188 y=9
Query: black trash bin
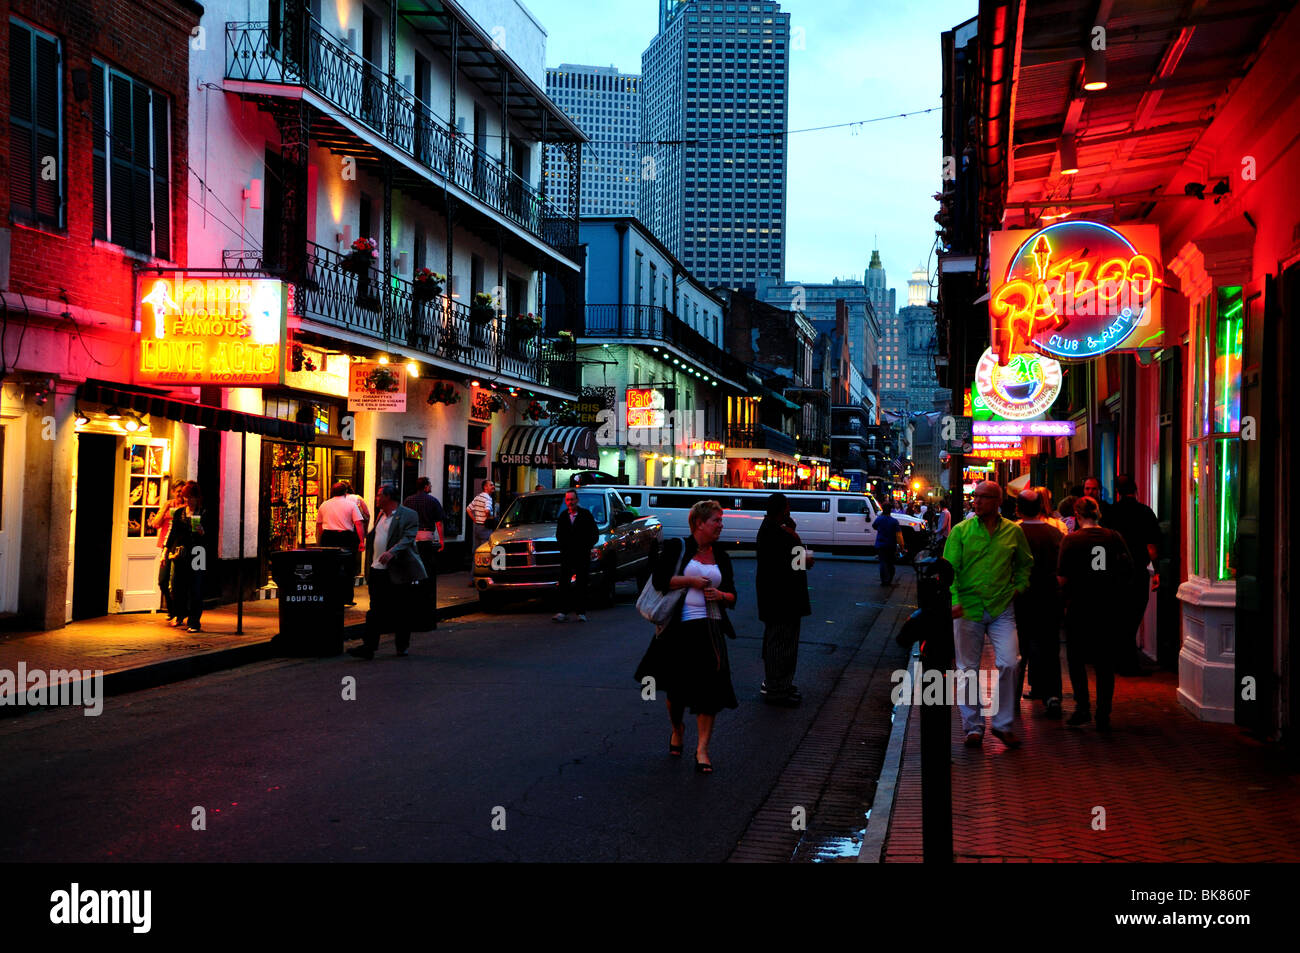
x=311 y=600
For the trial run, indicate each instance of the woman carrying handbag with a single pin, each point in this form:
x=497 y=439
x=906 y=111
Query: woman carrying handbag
x=688 y=657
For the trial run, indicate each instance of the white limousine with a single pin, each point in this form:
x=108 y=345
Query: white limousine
x=830 y=522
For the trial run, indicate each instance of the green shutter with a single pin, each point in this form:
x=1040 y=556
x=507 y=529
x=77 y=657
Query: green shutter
x=99 y=153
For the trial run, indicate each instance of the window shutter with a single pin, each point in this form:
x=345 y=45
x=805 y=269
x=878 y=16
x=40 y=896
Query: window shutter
x=99 y=153
x=161 y=192
x=141 y=186
x=121 y=147
x=22 y=145
x=49 y=190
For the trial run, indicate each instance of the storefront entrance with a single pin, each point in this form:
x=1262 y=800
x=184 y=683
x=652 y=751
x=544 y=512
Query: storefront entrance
x=11 y=510
x=296 y=479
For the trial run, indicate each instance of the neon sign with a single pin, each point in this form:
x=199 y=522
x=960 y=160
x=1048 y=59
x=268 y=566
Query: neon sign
x=1075 y=290
x=645 y=408
x=1022 y=388
x=226 y=331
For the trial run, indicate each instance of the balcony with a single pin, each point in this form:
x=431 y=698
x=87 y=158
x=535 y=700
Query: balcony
x=363 y=93
x=655 y=323
x=813 y=445
x=759 y=437
x=337 y=295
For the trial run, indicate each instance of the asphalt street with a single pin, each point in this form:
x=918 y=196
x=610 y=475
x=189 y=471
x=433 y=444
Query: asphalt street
x=502 y=737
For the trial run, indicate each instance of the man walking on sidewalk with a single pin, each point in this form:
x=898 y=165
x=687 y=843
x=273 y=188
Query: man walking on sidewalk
x=1038 y=610
x=429 y=509
x=782 y=587
x=339 y=523
x=991 y=562
x=1137 y=523
x=393 y=571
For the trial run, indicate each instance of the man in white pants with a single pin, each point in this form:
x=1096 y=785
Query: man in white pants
x=481 y=510
x=991 y=559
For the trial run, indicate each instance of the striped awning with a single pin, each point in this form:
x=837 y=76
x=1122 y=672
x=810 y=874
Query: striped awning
x=530 y=446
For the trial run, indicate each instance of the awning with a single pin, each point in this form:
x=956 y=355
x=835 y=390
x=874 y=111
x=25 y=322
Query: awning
x=529 y=446
x=203 y=415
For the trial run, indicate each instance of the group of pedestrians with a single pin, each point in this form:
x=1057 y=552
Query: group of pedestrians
x=1017 y=581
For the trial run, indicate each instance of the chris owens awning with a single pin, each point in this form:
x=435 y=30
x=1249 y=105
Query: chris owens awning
x=214 y=418
x=528 y=446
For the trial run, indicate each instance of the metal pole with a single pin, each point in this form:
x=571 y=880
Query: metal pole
x=239 y=561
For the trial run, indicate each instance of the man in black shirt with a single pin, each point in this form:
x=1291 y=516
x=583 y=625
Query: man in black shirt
x=1038 y=608
x=1141 y=531
x=429 y=510
x=576 y=534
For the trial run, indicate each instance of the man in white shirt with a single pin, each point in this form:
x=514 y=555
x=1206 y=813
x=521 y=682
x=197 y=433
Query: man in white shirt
x=482 y=509
x=339 y=523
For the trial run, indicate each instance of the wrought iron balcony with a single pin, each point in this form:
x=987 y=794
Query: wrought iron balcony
x=255 y=52
x=759 y=437
x=340 y=293
x=813 y=445
x=655 y=323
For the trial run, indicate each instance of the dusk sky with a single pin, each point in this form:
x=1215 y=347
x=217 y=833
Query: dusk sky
x=861 y=60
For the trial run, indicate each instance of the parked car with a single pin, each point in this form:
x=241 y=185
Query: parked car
x=522 y=558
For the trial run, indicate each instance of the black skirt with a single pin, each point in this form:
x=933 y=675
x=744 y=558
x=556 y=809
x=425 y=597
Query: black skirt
x=688 y=662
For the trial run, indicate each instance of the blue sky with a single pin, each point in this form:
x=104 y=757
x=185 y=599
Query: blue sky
x=861 y=60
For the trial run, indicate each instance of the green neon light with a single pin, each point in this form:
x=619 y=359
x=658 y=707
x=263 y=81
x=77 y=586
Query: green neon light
x=1233 y=311
x=1144 y=341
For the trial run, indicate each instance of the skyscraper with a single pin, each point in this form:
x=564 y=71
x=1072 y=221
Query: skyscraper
x=606 y=105
x=714 y=117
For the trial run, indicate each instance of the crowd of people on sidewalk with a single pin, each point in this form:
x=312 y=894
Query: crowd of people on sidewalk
x=1022 y=571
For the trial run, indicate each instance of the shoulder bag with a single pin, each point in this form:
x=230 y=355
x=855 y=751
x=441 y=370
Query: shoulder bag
x=658 y=607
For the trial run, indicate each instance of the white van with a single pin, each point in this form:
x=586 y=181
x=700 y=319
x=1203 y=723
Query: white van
x=831 y=522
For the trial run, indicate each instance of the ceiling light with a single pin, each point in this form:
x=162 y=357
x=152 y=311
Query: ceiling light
x=383 y=359
x=114 y=414
x=1094 y=70
x=132 y=423
x=1069 y=155
x=413 y=368
x=475 y=384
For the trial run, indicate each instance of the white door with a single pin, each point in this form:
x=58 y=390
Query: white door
x=853 y=522
x=11 y=509
x=145 y=486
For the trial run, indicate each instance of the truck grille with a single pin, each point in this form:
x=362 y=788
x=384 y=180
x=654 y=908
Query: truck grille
x=529 y=553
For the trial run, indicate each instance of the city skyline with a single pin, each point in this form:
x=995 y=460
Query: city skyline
x=850 y=189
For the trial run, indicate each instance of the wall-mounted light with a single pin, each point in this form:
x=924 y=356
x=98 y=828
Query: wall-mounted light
x=253 y=194
x=1069 y=155
x=1094 y=69
x=383 y=358
x=81 y=418
x=413 y=368
x=349 y=39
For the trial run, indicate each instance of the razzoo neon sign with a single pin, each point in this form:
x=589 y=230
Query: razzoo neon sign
x=1075 y=290
x=1026 y=386
x=225 y=331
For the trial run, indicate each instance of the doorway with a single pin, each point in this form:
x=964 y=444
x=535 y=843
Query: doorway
x=93 y=545
x=11 y=511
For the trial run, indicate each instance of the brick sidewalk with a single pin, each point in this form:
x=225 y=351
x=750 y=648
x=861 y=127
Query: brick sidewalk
x=1174 y=789
x=126 y=642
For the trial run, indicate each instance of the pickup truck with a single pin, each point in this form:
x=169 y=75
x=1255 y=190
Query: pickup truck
x=522 y=557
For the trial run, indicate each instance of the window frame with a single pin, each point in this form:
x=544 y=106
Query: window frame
x=32 y=217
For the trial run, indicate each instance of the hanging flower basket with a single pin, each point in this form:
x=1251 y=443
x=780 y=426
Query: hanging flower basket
x=496 y=403
x=427 y=285
x=364 y=253
x=481 y=310
x=535 y=412
x=525 y=326
x=444 y=392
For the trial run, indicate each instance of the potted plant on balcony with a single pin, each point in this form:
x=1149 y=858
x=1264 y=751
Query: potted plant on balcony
x=363 y=253
x=481 y=310
x=523 y=329
x=427 y=285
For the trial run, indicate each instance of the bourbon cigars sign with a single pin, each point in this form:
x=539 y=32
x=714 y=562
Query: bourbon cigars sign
x=1075 y=290
x=207 y=330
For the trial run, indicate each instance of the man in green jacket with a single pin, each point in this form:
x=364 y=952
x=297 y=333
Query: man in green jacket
x=991 y=559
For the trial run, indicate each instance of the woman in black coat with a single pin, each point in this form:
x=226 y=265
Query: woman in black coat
x=688 y=659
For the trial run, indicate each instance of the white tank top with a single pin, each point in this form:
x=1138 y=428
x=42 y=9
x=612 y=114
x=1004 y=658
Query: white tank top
x=695 y=606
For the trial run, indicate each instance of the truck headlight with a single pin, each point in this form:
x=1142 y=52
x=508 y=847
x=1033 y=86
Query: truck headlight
x=483 y=560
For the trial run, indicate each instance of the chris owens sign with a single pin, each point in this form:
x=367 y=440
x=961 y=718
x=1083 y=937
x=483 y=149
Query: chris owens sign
x=1075 y=290
x=1024 y=387
x=226 y=331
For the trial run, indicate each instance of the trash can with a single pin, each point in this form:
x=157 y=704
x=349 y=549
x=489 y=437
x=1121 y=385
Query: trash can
x=311 y=601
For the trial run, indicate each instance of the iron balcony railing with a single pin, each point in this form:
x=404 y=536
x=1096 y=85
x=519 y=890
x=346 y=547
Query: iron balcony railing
x=759 y=437
x=338 y=293
x=256 y=52
x=656 y=323
x=813 y=445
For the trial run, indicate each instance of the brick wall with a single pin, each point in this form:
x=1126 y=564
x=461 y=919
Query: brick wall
x=149 y=39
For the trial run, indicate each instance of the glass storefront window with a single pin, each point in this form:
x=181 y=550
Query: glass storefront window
x=1214 y=452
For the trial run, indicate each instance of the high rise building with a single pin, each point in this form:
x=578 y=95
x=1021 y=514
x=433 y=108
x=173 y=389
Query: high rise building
x=606 y=105
x=713 y=115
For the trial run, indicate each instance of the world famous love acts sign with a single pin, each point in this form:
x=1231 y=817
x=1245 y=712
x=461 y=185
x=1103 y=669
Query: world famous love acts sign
x=206 y=330
x=1075 y=290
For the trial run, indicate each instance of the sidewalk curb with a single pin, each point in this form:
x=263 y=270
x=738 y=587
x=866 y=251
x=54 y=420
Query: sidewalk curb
x=206 y=663
x=882 y=805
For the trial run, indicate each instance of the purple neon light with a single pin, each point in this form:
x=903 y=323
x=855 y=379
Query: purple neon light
x=1024 y=428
